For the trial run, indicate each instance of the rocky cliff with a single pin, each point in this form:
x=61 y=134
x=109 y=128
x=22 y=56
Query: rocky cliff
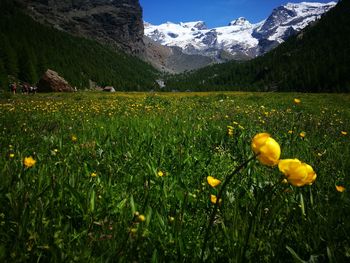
x=117 y=23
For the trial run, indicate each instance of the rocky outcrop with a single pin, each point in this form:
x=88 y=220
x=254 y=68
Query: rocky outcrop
x=172 y=59
x=117 y=23
x=52 y=82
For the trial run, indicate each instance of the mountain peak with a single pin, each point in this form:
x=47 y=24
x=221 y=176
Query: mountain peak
x=199 y=25
x=241 y=21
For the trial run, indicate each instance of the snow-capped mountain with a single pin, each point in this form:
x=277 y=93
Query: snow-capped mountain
x=240 y=38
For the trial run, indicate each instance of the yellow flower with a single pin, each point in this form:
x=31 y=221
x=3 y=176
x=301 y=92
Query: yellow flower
x=284 y=181
x=12 y=155
x=344 y=133
x=133 y=230
x=213 y=199
x=297 y=101
x=296 y=172
x=213 y=182
x=290 y=131
x=340 y=188
x=230 y=130
x=93 y=174
x=267 y=148
x=29 y=162
x=302 y=134
x=160 y=174
x=74 y=138
x=142 y=218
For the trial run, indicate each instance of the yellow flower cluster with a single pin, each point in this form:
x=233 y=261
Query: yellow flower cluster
x=230 y=130
x=268 y=153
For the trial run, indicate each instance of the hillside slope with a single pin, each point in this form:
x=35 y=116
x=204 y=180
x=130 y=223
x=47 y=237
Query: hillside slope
x=117 y=23
x=28 y=48
x=315 y=60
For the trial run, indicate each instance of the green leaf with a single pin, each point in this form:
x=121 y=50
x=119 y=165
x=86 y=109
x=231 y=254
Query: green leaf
x=295 y=255
x=92 y=200
x=154 y=256
x=132 y=205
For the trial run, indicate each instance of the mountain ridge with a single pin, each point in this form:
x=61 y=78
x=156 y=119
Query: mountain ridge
x=239 y=37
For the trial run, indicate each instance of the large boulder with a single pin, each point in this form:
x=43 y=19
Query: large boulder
x=52 y=82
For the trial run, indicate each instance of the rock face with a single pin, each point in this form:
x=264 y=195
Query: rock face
x=172 y=59
x=117 y=23
x=52 y=82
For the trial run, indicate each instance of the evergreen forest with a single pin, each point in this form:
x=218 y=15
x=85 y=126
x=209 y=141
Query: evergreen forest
x=28 y=49
x=315 y=60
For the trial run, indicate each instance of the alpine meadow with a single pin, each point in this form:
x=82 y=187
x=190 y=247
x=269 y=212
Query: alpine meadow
x=116 y=147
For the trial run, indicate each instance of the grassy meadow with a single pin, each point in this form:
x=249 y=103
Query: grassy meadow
x=122 y=177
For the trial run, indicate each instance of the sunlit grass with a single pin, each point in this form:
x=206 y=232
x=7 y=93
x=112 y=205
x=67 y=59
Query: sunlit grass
x=124 y=177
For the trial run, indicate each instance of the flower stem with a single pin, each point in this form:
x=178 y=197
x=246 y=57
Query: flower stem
x=216 y=206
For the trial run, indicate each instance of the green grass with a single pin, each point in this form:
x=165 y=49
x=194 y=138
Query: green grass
x=56 y=211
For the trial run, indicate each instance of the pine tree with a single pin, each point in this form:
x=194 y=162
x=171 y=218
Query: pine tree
x=3 y=77
x=8 y=56
x=27 y=67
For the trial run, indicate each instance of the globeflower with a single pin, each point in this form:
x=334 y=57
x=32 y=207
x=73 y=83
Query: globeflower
x=213 y=182
x=213 y=199
x=142 y=218
x=340 y=188
x=297 y=101
x=302 y=134
x=297 y=173
x=74 y=138
x=29 y=162
x=267 y=149
x=230 y=130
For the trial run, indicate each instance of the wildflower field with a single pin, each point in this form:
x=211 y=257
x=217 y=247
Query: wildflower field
x=175 y=177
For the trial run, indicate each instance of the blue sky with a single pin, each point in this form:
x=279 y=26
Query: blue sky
x=213 y=12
